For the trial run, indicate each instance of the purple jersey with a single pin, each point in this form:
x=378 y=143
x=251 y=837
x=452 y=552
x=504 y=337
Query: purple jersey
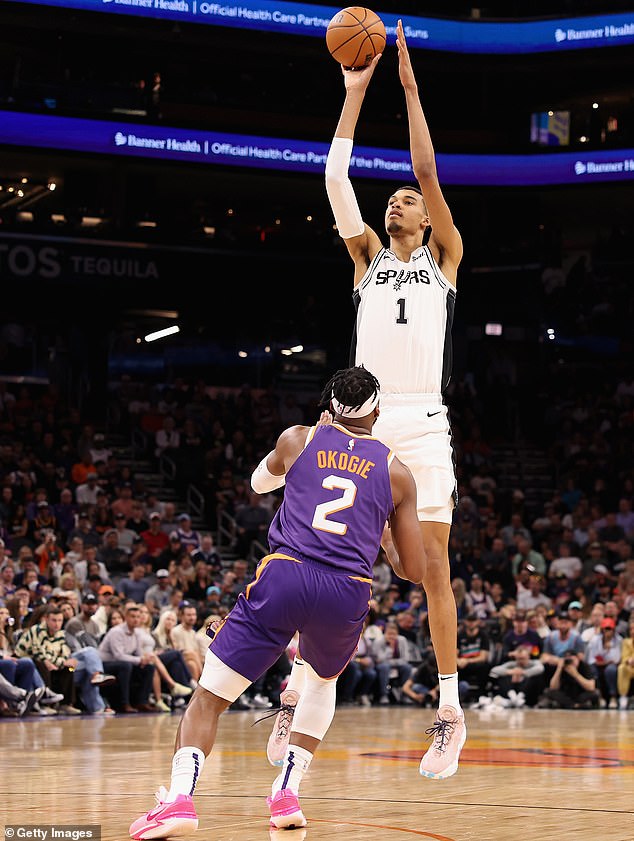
x=337 y=499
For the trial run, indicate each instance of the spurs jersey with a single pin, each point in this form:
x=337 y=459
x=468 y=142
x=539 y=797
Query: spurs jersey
x=404 y=315
x=337 y=499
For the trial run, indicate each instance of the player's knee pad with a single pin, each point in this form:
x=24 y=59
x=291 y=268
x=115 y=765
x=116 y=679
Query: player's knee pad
x=316 y=707
x=220 y=679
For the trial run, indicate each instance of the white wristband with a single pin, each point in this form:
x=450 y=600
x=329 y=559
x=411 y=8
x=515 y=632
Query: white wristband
x=263 y=481
x=340 y=193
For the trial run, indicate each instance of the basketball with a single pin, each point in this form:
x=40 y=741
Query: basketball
x=354 y=36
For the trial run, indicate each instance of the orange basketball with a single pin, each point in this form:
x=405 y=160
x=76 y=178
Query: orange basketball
x=354 y=36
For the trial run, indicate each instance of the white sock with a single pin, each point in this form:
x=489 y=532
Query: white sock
x=448 y=686
x=297 y=677
x=296 y=763
x=187 y=765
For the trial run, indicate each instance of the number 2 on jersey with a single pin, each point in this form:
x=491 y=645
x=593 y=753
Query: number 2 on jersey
x=401 y=319
x=325 y=509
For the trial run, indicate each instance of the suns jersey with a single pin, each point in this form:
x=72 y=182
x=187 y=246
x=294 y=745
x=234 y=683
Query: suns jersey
x=337 y=499
x=404 y=316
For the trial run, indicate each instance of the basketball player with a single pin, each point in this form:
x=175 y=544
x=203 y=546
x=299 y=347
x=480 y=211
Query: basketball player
x=404 y=297
x=341 y=486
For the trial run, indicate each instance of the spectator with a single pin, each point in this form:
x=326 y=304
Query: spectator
x=390 y=653
x=575 y=609
x=421 y=686
x=526 y=554
x=80 y=469
x=359 y=679
x=208 y=553
x=382 y=577
x=198 y=586
x=155 y=539
x=107 y=602
x=125 y=535
x=496 y=566
x=481 y=602
x=170 y=670
x=98 y=450
x=21 y=672
x=91 y=565
x=83 y=626
x=167 y=439
x=153 y=505
x=561 y=641
x=567 y=563
x=538 y=621
x=136 y=585
x=521 y=636
x=603 y=655
x=241 y=578
x=463 y=602
x=89 y=673
x=474 y=656
x=535 y=595
x=251 y=523
x=571 y=685
x=15 y=701
x=114 y=558
x=123 y=502
x=185 y=639
x=85 y=530
x=18 y=533
x=513 y=531
x=157 y=596
x=189 y=537
x=86 y=493
x=172 y=554
x=137 y=521
x=170 y=522
x=625 y=671
x=46 y=645
x=519 y=679
x=121 y=650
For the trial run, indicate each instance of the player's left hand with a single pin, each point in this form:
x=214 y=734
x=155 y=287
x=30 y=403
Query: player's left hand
x=325 y=419
x=405 y=70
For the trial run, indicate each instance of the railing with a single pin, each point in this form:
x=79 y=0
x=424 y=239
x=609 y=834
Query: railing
x=256 y=552
x=195 y=502
x=226 y=530
x=167 y=468
x=138 y=442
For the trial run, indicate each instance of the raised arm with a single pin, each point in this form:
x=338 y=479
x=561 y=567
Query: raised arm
x=361 y=241
x=446 y=243
x=270 y=473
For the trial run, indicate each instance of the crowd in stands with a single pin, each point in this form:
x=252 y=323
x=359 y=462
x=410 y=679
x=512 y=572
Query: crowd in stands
x=107 y=592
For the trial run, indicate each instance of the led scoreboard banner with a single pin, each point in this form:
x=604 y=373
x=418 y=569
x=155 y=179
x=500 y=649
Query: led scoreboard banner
x=535 y=36
x=275 y=153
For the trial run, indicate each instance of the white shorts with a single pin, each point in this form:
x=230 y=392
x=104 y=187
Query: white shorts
x=416 y=427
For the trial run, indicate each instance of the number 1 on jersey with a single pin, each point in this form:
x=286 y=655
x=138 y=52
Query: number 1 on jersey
x=401 y=311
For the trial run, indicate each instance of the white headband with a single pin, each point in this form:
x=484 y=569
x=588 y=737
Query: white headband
x=349 y=412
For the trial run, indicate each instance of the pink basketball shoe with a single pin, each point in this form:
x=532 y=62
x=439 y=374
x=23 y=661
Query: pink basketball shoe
x=449 y=733
x=286 y=813
x=166 y=819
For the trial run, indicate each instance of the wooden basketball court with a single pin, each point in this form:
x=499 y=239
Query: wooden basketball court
x=529 y=775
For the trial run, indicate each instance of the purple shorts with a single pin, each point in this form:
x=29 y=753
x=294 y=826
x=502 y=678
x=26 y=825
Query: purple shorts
x=327 y=607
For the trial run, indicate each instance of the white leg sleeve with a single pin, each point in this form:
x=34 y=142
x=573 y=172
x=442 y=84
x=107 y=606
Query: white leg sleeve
x=316 y=706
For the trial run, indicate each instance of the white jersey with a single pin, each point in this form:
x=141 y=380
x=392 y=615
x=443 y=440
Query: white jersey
x=403 y=326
